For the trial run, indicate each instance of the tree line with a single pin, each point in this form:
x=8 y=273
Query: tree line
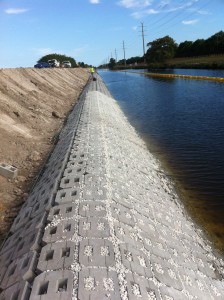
x=61 y=58
x=165 y=48
x=212 y=45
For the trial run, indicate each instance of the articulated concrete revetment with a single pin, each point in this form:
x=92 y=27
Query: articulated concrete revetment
x=103 y=221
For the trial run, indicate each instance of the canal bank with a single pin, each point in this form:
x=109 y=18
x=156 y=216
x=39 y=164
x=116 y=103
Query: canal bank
x=104 y=222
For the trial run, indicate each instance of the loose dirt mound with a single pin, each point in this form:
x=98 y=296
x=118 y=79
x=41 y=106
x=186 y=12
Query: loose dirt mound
x=33 y=105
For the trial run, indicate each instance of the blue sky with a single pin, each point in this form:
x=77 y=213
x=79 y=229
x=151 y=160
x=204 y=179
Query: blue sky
x=91 y=30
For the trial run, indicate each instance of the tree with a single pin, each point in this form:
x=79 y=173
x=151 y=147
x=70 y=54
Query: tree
x=198 y=47
x=184 y=49
x=112 y=64
x=215 y=43
x=161 y=49
x=60 y=58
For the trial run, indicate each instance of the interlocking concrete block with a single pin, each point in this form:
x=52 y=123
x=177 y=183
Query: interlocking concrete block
x=216 y=288
x=160 y=249
x=204 y=266
x=194 y=285
x=98 y=284
x=166 y=273
x=122 y=214
x=190 y=243
x=57 y=285
x=92 y=209
x=56 y=256
x=62 y=231
x=94 y=193
x=18 y=291
x=78 y=156
x=139 y=287
x=119 y=195
x=92 y=180
x=8 y=171
x=76 y=163
x=124 y=201
x=37 y=222
x=183 y=257
x=30 y=242
x=171 y=293
x=96 y=162
x=67 y=195
x=31 y=200
x=73 y=172
x=63 y=211
x=146 y=224
x=135 y=260
x=144 y=210
x=127 y=234
x=96 y=170
x=20 y=269
x=45 y=188
x=22 y=218
x=96 y=252
x=94 y=227
x=5 y=260
x=42 y=205
x=58 y=159
x=71 y=181
x=11 y=241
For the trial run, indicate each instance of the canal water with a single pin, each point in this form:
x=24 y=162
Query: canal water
x=182 y=122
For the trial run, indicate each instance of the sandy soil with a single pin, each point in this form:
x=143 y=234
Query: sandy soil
x=33 y=106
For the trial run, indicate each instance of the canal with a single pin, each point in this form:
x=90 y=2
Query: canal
x=182 y=122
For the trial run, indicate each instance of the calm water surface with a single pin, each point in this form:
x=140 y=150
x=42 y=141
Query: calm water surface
x=183 y=123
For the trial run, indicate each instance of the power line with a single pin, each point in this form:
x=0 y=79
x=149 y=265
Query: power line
x=179 y=14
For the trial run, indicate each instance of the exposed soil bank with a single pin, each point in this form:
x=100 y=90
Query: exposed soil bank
x=33 y=106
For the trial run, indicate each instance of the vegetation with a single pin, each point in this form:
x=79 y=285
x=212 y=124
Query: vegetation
x=166 y=53
x=62 y=58
x=161 y=49
x=112 y=64
x=215 y=61
x=132 y=60
x=213 y=45
x=59 y=58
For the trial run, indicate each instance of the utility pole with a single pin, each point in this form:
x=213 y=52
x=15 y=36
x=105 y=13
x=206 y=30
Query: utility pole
x=143 y=40
x=124 y=54
x=116 y=54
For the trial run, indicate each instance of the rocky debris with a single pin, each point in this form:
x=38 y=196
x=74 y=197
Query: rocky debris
x=55 y=114
x=35 y=156
x=16 y=113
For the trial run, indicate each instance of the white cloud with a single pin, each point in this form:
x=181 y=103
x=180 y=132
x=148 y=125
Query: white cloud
x=143 y=13
x=190 y=22
x=94 y=1
x=203 y=12
x=16 y=11
x=135 y=3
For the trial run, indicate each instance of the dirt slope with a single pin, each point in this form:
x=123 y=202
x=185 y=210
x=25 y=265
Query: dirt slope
x=33 y=105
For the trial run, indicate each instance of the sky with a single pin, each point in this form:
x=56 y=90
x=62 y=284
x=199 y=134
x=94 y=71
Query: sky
x=93 y=31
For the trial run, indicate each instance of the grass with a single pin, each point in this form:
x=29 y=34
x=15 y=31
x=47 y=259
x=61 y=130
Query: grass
x=208 y=61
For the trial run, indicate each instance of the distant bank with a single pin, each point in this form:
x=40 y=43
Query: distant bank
x=199 y=62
